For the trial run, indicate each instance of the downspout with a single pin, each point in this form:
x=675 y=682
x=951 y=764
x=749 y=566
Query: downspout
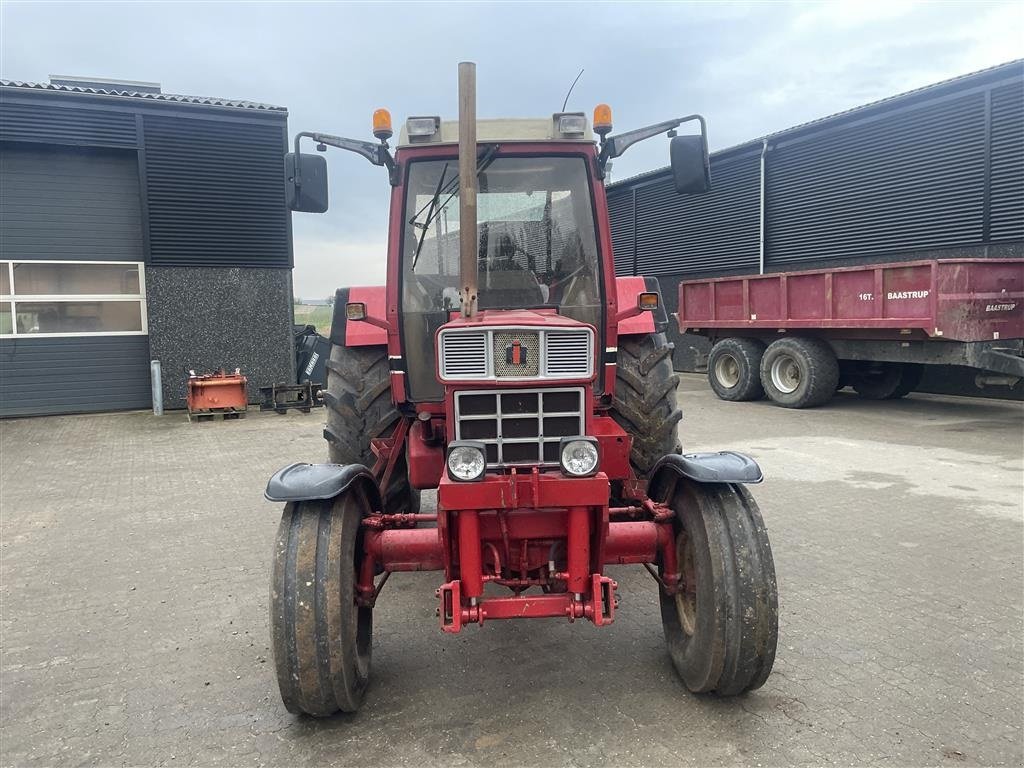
x=760 y=248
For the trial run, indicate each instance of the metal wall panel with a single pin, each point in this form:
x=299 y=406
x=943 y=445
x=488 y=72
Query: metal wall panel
x=73 y=375
x=1006 y=203
x=911 y=181
x=69 y=204
x=698 y=234
x=215 y=193
x=620 y=217
x=46 y=124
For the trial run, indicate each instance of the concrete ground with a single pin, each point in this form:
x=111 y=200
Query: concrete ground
x=134 y=572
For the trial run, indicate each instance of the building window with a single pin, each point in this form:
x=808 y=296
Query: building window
x=72 y=298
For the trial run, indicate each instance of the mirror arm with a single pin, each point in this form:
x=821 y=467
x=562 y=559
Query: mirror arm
x=377 y=154
x=615 y=146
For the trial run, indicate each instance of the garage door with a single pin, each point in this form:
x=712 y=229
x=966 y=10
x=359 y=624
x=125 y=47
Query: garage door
x=72 y=282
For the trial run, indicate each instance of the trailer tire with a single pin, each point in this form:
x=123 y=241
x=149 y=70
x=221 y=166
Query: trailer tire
x=645 y=399
x=734 y=369
x=721 y=627
x=880 y=385
x=910 y=380
x=799 y=372
x=359 y=408
x=322 y=640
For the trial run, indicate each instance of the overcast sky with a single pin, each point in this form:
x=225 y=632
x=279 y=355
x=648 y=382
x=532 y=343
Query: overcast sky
x=751 y=69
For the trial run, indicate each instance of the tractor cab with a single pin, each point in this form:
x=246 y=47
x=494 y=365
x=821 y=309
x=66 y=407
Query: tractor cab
x=538 y=246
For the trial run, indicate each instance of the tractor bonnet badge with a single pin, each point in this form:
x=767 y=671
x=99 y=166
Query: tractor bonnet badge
x=515 y=353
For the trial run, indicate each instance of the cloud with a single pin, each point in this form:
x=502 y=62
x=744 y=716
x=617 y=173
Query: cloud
x=751 y=69
x=322 y=265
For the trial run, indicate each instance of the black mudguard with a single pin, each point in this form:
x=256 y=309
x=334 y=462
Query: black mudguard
x=309 y=482
x=720 y=467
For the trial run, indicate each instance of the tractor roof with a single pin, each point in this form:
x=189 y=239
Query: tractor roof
x=502 y=129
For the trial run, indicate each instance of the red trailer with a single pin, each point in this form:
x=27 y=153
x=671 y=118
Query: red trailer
x=798 y=337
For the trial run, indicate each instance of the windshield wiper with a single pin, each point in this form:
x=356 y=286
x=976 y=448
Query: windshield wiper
x=430 y=215
x=451 y=189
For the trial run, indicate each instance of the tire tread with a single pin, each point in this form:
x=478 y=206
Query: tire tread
x=822 y=372
x=644 y=403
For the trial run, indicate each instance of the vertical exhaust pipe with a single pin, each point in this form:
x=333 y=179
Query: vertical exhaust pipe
x=468 y=246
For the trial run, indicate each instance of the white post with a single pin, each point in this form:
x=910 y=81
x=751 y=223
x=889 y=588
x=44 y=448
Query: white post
x=158 y=390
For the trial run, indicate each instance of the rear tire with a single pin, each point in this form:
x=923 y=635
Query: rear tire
x=721 y=628
x=322 y=640
x=799 y=372
x=734 y=369
x=645 y=399
x=359 y=407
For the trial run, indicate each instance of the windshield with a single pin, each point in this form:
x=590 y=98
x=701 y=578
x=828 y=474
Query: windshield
x=537 y=247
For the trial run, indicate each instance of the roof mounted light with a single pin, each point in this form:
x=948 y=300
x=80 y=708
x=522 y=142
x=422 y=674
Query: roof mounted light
x=602 y=119
x=382 y=124
x=571 y=123
x=422 y=127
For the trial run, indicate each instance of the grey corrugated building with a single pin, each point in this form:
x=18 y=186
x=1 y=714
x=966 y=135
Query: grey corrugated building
x=137 y=225
x=935 y=172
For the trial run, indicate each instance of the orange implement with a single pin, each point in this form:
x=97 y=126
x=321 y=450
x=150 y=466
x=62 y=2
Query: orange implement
x=216 y=393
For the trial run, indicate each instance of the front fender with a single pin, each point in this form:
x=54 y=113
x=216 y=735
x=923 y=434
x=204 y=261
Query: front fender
x=308 y=482
x=357 y=333
x=627 y=289
x=720 y=467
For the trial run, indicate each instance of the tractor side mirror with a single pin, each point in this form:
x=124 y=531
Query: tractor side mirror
x=691 y=168
x=306 y=182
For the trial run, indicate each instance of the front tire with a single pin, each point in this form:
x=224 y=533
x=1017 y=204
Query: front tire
x=645 y=399
x=734 y=369
x=721 y=627
x=322 y=640
x=799 y=372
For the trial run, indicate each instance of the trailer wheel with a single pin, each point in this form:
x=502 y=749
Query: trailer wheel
x=721 y=627
x=359 y=407
x=734 y=367
x=910 y=380
x=645 y=398
x=799 y=372
x=879 y=383
x=321 y=638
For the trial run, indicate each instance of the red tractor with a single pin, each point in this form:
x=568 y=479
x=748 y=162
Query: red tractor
x=506 y=366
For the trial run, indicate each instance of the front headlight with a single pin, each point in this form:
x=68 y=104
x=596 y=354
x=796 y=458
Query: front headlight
x=578 y=456
x=466 y=460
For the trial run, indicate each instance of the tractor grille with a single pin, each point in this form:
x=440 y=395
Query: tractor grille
x=516 y=353
x=519 y=426
x=567 y=354
x=464 y=355
x=505 y=366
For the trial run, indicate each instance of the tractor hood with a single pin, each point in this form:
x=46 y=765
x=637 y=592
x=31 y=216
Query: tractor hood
x=516 y=346
x=515 y=317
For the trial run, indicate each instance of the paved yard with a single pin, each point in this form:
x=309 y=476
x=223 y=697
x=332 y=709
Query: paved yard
x=135 y=560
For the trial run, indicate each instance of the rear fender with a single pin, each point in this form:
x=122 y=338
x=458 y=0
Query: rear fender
x=720 y=467
x=310 y=482
x=356 y=333
x=627 y=289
